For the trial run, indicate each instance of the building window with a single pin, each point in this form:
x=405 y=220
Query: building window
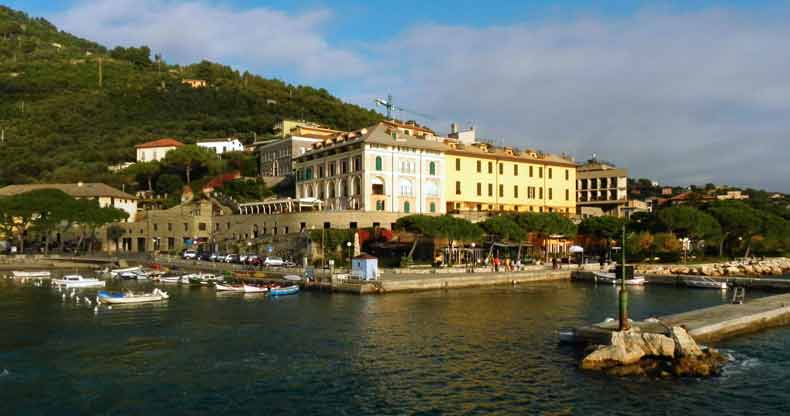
x=171 y=243
x=490 y=167
x=406 y=207
x=357 y=163
x=490 y=189
x=479 y=189
x=343 y=166
x=379 y=205
x=540 y=193
x=501 y=168
x=432 y=168
x=540 y=172
x=378 y=163
x=458 y=187
x=457 y=164
x=567 y=175
x=530 y=171
x=170 y=226
x=515 y=169
x=479 y=166
x=549 y=173
x=567 y=195
x=550 y=193
x=202 y=226
x=186 y=227
x=501 y=191
x=515 y=191
x=433 y=206
x=156 y=227
x=332 y=169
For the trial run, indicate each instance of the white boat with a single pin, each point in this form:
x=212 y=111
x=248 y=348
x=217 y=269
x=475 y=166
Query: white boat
x=34 y=274
x=173 y=279
x=117 y=272
x=77 y=281
x=241 y=288
x=706 y=283
x=292 y=277
x=612 y=278
x=202 y=278
x=129 y=297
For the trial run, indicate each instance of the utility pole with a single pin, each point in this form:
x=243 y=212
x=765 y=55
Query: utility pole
x=100 y=73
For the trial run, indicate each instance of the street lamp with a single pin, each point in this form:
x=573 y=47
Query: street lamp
x=623 y=296
x=350 y=254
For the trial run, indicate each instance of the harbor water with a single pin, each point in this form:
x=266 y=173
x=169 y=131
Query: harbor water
x=471 y=351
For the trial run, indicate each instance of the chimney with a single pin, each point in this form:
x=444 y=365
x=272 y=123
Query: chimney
x=453 y=128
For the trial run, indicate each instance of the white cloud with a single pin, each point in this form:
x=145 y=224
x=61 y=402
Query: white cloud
x=681 y=98
x=261 y=39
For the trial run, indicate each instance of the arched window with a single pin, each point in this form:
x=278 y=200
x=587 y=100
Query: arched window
x=432 y=168
x=406 y=207
x=433 y=206
x=431 y=188
x=406 y=187
x=378 y=163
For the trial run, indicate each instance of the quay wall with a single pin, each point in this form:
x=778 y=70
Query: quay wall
x=763 y=283
x=433 y=282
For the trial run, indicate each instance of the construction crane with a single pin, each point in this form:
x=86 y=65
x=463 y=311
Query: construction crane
x=390 y=106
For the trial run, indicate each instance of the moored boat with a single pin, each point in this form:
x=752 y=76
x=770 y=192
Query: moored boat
x=129 y=297
x=229 y=288
x=281 y=291
x=705 y=283
x=173 y=279
x=255 y=289
x=77 y=281
x=117 y=272
x=40 y=274
x=202 y=278
x=612 y=278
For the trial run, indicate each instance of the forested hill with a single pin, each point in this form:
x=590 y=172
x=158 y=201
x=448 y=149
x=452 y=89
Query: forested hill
x=64 y=122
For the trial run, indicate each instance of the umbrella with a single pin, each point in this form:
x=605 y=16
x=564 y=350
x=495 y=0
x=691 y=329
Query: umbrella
x=576 y=249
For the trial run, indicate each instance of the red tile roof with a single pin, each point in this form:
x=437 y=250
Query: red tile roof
x=160 y=143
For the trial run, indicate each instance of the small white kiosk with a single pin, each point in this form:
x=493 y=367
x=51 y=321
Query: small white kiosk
x=365 y=267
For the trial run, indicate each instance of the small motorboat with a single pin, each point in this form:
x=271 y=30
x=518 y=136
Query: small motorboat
x=292 y=278
x=705 y=283
x=281 y=291
x=202 y=278
x=255 y=289
x=77 y=281
x=40 y=274
x=173 y=279
x=229 y=288
x=129 y=297
x=117 y=272
x=612 y=278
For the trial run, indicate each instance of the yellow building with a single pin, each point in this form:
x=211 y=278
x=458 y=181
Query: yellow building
x=481 y=177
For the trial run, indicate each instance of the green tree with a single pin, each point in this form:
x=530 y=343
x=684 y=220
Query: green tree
x=739 y=221
x=505 y=228
x=546 y=224
x=188 y=158
x=144 y=172
x=690 y=222
x=169 y=184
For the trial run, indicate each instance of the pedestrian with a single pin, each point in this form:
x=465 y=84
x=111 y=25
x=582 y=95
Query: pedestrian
x=507 y=265
x=496 y=264
x=554 y=263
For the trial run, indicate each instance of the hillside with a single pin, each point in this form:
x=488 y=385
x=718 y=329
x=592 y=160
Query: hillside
x=64 y=122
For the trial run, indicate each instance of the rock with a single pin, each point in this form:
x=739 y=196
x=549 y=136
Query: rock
x=748 y=269
x=685 y=346
x=626 y=348
x=705 y=365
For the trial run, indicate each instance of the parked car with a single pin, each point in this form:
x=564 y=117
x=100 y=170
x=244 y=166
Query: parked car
x=232 y=258
x=243 y=258
x=253 y=260
x=217 y=257
x=189 y=254
x=273 y=262
x=289 y=263
x=204 y=256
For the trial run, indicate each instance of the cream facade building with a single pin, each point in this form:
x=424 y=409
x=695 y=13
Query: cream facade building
x=377 y=169
x=156 y=150
x=220 y=146
x=276 y=156
x=482 y=178
x=105 y=195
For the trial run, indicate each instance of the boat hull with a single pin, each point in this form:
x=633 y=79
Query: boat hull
x=283 y=291
x=34 y=274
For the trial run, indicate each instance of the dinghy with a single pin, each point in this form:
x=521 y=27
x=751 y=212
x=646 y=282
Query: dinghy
x=705 y=283
x=117 y=272
x=612 y=278
x=129 y=297
x=281 y=291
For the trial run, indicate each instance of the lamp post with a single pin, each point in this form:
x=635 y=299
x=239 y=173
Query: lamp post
x=623 y=296
x=350 y=254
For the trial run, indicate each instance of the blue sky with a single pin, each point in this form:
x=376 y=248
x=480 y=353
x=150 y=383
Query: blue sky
x=680 y=91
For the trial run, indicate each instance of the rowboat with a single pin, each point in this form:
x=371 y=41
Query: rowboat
x=35 y=274
x=706 y=283
x=129 y=297
x=241 y=288
x=611 y=277
x=202 y=278
x=116 y=272
x=281 y=291
x=77 y=281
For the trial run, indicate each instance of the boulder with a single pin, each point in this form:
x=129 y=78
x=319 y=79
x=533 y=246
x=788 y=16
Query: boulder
x=685 y=346
x=626 y=348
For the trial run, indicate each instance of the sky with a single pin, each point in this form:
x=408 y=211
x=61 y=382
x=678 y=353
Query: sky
x=683 y=92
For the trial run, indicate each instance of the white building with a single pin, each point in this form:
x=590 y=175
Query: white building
x=375 y=169
x=156 y=150
x=106 y=195
x=220 y=146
